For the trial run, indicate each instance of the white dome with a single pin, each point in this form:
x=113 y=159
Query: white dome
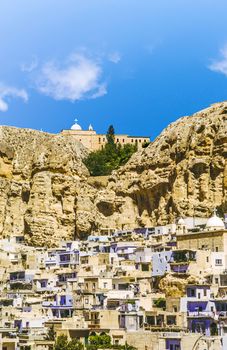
x=76 y=126
x=215 y=222
x=181 y=222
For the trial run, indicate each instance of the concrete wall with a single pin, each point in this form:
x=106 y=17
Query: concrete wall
x=211 y=240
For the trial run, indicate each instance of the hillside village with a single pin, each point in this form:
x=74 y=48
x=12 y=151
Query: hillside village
x=162 y=287
x=113 y=175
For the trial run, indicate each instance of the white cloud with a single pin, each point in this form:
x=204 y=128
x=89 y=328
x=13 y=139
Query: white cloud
x=31 y=66
x=114 y=57
x=80 y=78
x=7 y=92
x=220 y=65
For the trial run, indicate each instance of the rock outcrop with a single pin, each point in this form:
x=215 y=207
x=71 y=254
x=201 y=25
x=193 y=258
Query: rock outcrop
x=183 y=172
x=46 y=193
x=40 y=175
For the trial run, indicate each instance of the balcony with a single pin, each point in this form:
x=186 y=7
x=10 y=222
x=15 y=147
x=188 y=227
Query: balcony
x=94 y=324
x=167 y=331
x=201 y=314
x=181 y=268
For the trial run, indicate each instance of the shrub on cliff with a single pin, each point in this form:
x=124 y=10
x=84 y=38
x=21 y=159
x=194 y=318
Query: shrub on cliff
x=111 y=157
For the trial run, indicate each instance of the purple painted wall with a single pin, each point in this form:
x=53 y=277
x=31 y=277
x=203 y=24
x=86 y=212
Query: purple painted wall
x=173 y=344
x=194 y=306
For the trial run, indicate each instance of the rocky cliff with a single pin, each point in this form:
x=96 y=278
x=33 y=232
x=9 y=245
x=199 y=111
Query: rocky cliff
x=47 y=194
x=183 y=172
x=40 y=175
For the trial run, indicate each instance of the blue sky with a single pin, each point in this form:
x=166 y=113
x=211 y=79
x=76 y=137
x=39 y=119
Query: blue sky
x=136 y=64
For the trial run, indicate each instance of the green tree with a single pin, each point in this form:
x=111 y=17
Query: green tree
x=160 y=302
x=105 y=340
x=111 y=157
x=110 y=135
x=61 y=343
x=100 y=341
x=75 y=344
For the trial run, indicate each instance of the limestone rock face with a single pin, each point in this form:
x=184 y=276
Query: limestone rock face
x=183 y=172
x=46 y=193
x=175 y=286
x=40 y=175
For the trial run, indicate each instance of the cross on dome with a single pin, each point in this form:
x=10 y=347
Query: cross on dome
x=76 y=126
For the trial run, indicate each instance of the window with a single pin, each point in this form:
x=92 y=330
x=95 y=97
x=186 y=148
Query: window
x=192 y=292
x=145 y=267
x=205 y=292
x=198 y=295
x=216 y=249
x=218 y=262
x=216 y=280
x=86 y=301
x=43 y=284
x=207 y=259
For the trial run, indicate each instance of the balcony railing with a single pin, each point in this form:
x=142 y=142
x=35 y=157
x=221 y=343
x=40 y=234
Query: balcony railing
x=94 y=324
x=201 y=314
